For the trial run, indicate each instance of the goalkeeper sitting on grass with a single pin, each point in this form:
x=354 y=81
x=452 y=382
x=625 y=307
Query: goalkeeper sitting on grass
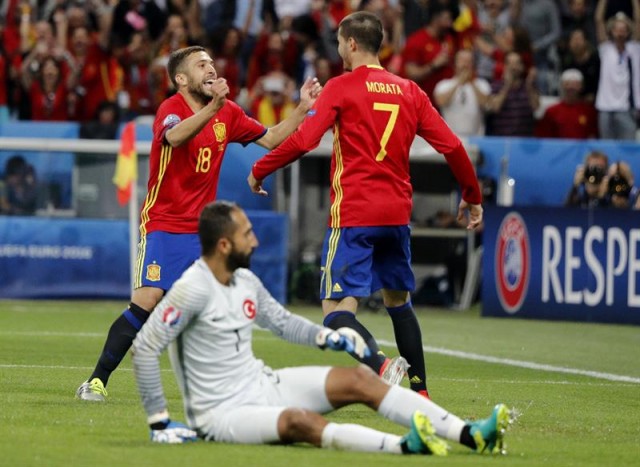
x=206 y=320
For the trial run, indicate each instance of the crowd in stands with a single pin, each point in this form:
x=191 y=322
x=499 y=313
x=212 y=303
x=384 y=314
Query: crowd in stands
x=484 y=63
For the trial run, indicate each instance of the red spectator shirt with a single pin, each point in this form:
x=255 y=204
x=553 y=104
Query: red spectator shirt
x=4 y=68
x=184 y=179
x=101 y=77
x=375 y=116
x=50 y=106
x=422 y=48
x=573 y=121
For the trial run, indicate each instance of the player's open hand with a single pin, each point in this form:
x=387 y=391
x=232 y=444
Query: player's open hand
x=256 y=185
x=309 y=92
x=345 y=339
x=475 y=214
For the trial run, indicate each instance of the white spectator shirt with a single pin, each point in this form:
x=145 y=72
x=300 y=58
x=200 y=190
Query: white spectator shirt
x=613 y=87
x=463 y=114
x=208 y=329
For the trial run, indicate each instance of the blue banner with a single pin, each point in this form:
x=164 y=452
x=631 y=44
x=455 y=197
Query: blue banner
x=562 y=264
x=544 y=168
x=79 y=258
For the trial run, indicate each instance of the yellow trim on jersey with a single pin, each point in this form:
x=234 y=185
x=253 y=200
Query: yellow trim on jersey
x=334 y=238
x=377 y=67
x=337 y=174
x=150 y=200
x=137 y=272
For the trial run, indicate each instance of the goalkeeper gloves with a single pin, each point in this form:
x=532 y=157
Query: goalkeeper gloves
x=345 y=339
x=168 y=432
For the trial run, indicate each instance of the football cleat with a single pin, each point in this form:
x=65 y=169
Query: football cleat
x=489 y=432
x=393 y=370
x=422 y=438
x=92 y=391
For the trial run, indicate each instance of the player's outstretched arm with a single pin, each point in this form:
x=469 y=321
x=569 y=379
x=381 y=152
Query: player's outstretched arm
x=345 y=339
x=277 y=134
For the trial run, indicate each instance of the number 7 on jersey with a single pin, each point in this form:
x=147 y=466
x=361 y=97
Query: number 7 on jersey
x=393 y=108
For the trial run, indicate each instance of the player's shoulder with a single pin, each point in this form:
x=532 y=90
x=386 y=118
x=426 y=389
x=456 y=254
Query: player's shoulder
x=172 y=106
x=244 y=274
x=173 y=102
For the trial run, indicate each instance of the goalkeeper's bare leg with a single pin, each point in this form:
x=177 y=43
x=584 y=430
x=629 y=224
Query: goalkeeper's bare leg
x=345 y=386
x=119 y=339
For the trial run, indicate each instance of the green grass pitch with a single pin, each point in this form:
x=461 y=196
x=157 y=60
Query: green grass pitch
x=568 y=417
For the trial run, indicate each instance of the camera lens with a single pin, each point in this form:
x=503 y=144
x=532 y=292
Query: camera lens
x=619 y=186
x=593 y=174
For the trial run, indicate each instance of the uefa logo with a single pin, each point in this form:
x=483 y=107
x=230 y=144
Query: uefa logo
x=512 y=262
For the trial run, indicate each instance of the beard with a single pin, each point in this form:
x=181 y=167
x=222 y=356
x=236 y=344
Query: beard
x=198 y=93
x=237 y=259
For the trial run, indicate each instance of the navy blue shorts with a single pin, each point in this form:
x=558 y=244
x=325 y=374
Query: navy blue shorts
x=357 y=261
x=163 y=257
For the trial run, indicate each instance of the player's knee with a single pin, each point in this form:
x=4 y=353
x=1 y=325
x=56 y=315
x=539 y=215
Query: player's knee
x=295 y=425
x=363 y=382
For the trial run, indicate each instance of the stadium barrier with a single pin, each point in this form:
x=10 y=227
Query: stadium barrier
x=543 y=169
x=88 y=258
x=80 y=243
x=562 y=264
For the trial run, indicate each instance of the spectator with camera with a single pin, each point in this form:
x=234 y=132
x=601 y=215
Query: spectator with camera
x=590 y=185
x=621 y=191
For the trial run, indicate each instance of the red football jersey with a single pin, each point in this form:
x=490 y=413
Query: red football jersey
x=375 y=116
x=184 y=179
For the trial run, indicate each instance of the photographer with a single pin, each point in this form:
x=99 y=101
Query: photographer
x=621 y=192
x=590 y=184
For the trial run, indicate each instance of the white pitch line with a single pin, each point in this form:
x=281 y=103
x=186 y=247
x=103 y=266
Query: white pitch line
x=523 y=364
x=53 y=334
x=427 y=349
x=13 y=366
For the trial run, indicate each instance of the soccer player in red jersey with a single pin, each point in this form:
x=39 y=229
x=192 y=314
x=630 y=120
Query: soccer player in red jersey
x=190 y=135
x=375 y=116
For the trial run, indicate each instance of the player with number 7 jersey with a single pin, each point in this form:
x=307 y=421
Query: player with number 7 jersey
x=375 y=116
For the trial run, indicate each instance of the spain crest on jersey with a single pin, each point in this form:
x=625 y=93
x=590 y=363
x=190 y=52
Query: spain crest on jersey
x=220 y=130
x=153 y=272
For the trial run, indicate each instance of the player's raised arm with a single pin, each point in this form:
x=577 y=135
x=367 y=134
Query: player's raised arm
x=190 y=127
x=275 y=135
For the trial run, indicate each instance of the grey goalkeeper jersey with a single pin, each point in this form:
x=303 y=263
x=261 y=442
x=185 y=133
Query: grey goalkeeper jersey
x=208 y=329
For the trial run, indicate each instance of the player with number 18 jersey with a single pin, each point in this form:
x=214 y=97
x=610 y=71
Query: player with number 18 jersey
x=184 y=179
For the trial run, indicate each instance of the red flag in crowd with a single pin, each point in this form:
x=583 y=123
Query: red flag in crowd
x=127 y=164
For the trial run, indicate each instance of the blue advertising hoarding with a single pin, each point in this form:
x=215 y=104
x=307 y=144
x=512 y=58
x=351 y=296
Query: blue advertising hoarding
x=83 y=258
x=562 y=264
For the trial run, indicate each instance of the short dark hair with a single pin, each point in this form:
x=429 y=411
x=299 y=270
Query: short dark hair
x=365 y=28
x=436 y=8
x=177 y=58
x=215 y=222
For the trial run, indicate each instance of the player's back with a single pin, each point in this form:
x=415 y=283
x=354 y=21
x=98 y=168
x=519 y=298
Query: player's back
x=378 y=117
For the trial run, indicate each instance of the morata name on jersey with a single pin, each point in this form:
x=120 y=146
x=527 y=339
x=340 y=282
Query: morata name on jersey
x=383 y=88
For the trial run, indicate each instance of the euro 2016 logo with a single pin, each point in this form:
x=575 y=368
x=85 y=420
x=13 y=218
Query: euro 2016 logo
x=512 y=262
